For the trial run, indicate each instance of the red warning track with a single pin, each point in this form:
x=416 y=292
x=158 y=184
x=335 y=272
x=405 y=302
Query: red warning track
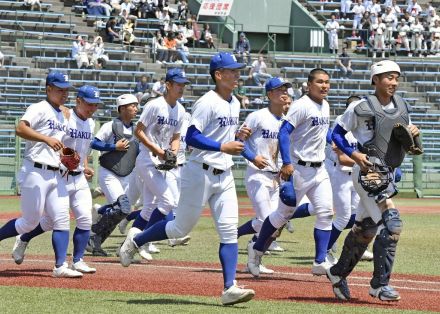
x=205 y=279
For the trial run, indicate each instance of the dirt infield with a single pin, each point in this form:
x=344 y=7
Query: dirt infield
x=288 y=284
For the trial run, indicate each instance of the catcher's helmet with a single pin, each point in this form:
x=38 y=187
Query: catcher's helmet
x=376 y=179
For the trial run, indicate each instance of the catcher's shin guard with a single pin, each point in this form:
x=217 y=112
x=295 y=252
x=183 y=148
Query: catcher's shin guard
x=112 y=217
x=354 y=247
x=384 y=248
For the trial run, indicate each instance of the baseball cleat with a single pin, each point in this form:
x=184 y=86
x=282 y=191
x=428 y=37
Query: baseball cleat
x=18 y=250
x=367 y=256
x=235 y=294
x=143 y=252
x=331 y=258
x=96 y=192
x=275 y=247
x=263 y=270
x=289 y=227
x=320 y=269
x=82 y=267
x=128 y=248
x=340 y=286
x=385 y=293
x=254 y=259
x=65 y=272
x=179 y=241
x=123 y=226
x=152 y=249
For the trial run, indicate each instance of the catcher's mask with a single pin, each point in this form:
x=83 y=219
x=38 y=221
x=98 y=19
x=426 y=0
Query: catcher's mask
x=377 y=179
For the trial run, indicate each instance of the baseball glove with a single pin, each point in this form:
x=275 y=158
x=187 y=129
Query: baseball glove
x=170 y=161
x=69 y=158
x=376 y=179
x=410 y=144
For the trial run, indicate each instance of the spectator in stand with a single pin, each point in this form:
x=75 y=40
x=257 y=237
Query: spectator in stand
x=181 y=49
x=435 y=33
x=432 y=18
x=344 y=64
x=99 y=58
x=301 y=91
x=2 y=59
x=195 y=28
x=128 y=6
x=258 y=71
x=116 y=5
x=33 y=4
x=206 y=37
x=390 y=20
x=332 y=28
x=141 y=90
x=188 y=33
x=243 y=49
x=158 y=88
x=110 y=30
x=403 y=31
x=240 y=93
x=378 y=28
x=375 y=8
x=345 y=9
x=98 y=7
x=358 y=11
x=409 y=18
x=395 y=8
x=182 y=10
x=170 y=45
x=127 y=31
x=159 y=49
x=414 y=8
x=417 y=37
x=427 y=39
x=368 y=4
x=79 y=52
x=365 y=27
x=166 y=19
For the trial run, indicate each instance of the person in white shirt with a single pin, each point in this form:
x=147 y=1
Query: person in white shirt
x=435 y=31
x=358 y=10
x=390 y=21
x=345 y=8
x=368 y=4
x=414 y=8
x=332 y=28
x=417 y=37
x=158 y=88
x=375 y=8
x=258 y=71
x=395 y=8
x=379 y=37
x=403 y=30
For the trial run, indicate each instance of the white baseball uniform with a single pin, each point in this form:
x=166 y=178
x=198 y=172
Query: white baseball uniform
x=207 y=177
x=332 y=27
x=42 y=189
x=161 y=122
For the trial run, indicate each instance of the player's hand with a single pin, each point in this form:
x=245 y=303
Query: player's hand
x=160 y=154
x=362 y=161
x=260 y=162
x=232 y=148
x=244 y=133
x=122 y=145
x=286 y=171
x=414 y=130
x=53 y=143
x=89 y=173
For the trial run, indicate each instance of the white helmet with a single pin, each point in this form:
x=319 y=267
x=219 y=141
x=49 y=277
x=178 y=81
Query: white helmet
x=126 y=99
x=383 y=66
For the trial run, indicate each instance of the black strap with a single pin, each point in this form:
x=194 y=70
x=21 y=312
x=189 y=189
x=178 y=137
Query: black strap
x=41 y=166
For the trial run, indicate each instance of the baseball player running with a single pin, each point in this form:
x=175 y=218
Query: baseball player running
x=372 y=122
x=302 y=139
x=79 y=134
x=43 y=126
x=120 y=148
x=207 y=177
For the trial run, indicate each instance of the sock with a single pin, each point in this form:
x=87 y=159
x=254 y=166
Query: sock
x=246 y=228
x=334 y=235
x=8 y=230
x=133 y=215
x=80 y=239
x=228 y=254
x=155 y=233
x=268 y=243
x=321 y=242
x=32 y=234
x=60 y=242
x=267 y=229
x=103 y=209
x=302 y=211
x=351 y=222
x=156 y=216
x=140 y=223
x=254 y=238
x=170 y=216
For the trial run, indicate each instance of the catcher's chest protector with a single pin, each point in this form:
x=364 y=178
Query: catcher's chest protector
x=119 y=162
x=382 y=144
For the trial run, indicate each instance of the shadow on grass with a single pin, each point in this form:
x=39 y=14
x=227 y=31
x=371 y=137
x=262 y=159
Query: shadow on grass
x=352 y=301
x=33 y=272
x=177 y=301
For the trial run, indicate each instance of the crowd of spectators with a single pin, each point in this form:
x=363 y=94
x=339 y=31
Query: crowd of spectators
x=89 y=54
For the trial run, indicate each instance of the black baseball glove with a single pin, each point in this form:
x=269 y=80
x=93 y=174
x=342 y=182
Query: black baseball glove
x=170 y=161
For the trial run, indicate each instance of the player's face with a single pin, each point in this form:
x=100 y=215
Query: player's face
x=387 y=83
x=319 y=87
x=228 y=78
x=278 y=96
x=129 y=110
x=175 y=90
x=57 y=96
x=84 y=109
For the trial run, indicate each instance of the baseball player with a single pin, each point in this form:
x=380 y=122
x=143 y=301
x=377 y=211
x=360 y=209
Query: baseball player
x=79 y=134
x=371 y=120
x=43 y=126
x=119 y=150
x=332 y=27
x=302 y=140
x=207 y=177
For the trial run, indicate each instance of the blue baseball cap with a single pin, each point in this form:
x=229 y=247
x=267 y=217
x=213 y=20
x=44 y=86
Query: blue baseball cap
x=276 y=82
x=176 y=75
x=224 y=60
x=58 y=79
x=90 y=94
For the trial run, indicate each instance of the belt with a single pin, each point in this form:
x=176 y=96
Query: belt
x=215 y=171
x=310 y=163
x=180 y=165
x=349 y=173
x=273 y=172
x=45 y=167
x=72 y=173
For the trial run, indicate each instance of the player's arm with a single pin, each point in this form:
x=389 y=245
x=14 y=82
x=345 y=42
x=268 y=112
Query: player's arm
x=196 y=139
x=343 y=159
x=284 y=143
x=25 y=131
x=140 y=134
x=88 y=172
x=175 y=143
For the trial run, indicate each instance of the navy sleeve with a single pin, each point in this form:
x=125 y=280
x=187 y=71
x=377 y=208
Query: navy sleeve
x=284 y=141
x=338 y=137
x=398 y=175
x=248 y=153
x=102 y=146
x=196 y=139
x=329 y=136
